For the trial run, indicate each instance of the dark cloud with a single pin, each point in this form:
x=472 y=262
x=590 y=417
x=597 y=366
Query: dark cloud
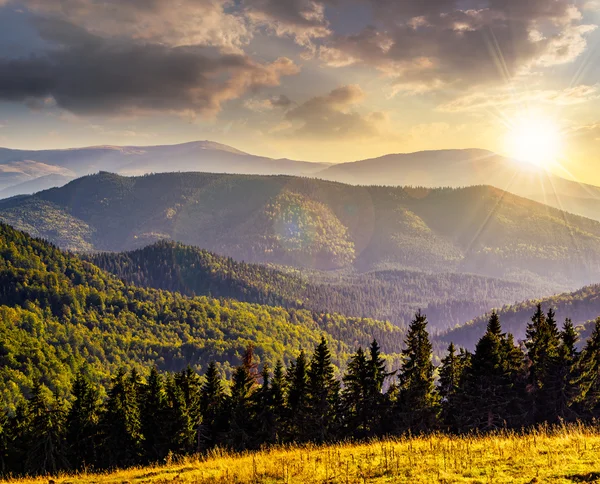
x=88 y=74
x=331 y=116
x=304 y=20
x=429 y=44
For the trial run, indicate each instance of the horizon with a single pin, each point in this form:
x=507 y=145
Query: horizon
x=320 y=81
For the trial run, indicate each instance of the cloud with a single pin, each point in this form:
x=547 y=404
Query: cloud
x=88 y=74
x=332 y=116
x=507 y=97
x=185 y=22
x=590 y=131
x=303 y=20
x=264 y=105
x=428 y=45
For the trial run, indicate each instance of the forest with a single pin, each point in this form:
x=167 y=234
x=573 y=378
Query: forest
x=449 y=299
x=152 y=417
x=58 y=312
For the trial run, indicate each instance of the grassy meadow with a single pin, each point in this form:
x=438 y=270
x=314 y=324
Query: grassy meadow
x=565 y=455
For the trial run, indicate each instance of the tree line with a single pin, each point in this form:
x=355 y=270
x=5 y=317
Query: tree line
x=501 y=385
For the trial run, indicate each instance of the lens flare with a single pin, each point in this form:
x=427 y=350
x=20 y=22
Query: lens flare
x=535 y=139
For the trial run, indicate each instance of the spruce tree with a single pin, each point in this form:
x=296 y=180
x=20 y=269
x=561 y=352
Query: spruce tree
x=563 y=375
x=490 y=396
x=46 y=453
x=240 y=406
x=322 y=395
x=376 y=405
x=120 y=422
x=210 y=431
x=588 y=379
x=451 y=377
x=179 y=428
x=82 y=423
x=354 y=396
x=418 y=405
x=542 y=351
x=153 y=413
x=297 y=399
x=278 y=390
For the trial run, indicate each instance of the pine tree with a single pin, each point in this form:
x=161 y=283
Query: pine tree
x=542 y=351
x=120 y=423
x=82 y=423
x=153 y=413
x=297 y=399
x=490 y=396
x=418 y=405
x=191 y=387
x=451 y=378
x=179 y=429
x=322 y=395
x=589 y=374
x=240 y=404
x=376 y=405
x=278 y=390
x=212 y=399
x=563 y=375
x=354 y=396
x=45 y=434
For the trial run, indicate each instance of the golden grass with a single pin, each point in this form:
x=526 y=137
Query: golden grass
x=565 y=455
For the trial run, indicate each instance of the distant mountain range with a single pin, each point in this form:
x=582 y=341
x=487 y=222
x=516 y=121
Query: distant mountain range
x=581 y=306
x=316 y=224
x=25 y=172
x=448 y=299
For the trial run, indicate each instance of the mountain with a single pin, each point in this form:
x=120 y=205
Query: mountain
x=432 y=169
x=317 y=224
x=36 y=185
x=460 y=168
x=581 y=306
x=448 y=299
x=59 y=313
x=18 y=166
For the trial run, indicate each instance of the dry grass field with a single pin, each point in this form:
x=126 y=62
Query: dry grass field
x=565 y=455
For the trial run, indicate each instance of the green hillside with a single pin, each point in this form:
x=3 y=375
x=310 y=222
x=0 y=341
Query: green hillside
x=395 y=295
x=318 y=224
x=58 y=313
x=581 y=307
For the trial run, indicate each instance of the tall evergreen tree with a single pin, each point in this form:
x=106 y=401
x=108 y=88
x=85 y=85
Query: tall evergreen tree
x=563 y=376
x=212 y=399
x=322 y=395
x=297 y=399
x=46 y=453
x=542 y=351
x=376 y=404
x=354 y=396
x=179 y=428
x=451 y=377
x=490 y=395
x=153 y=413
x=588 y=378
x=241 y=410
x=418 y=405
x=82 y=423
x=120 y=422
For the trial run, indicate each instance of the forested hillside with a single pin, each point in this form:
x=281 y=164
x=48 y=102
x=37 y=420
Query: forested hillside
x=58 y=313
x=447 y=298
x=318 y=224
x=582 y=307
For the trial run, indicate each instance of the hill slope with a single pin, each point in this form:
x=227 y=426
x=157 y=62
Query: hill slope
x=58 y=312
x=581 y=307
x=448 y=299
x=460 y=168
x=18 y=166
x=319 y=224
x=25 y=172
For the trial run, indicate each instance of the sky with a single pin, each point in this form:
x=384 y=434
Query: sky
x=316 y=80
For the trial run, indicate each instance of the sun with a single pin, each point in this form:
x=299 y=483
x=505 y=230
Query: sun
x=536 y=140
